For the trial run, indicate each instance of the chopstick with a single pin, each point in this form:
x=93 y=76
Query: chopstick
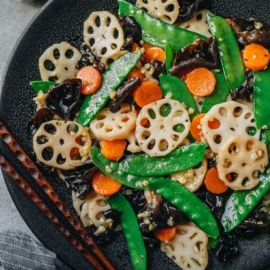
x=40 y=179
x=28 y=190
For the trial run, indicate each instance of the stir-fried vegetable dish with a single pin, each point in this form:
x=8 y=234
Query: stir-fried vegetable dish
x=157 y=125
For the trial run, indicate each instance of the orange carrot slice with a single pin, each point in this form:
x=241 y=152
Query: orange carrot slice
x=201 y=82
x=165 y=234
x=113 y=150
x=104 y=185
x=154 y=53
x=196 y=128
x=147 y=93
x=91 y=80
x=213 y=183
x=255 y=57
x=135 y=73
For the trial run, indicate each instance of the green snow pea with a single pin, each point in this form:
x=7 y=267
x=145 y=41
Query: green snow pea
x=111 y=168
x=261 y=97
x=42 y=85
x=186 y=202
x=178 y=89
x=220 y=93
x=174 y=192
x=112 y=78
x=156 y=32
x=241 y=202
x=230 y=56
x=181 y=159
x=131 y=230
x=169 y=57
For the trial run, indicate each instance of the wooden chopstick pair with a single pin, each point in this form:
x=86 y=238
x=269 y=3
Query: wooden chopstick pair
x=98 y=259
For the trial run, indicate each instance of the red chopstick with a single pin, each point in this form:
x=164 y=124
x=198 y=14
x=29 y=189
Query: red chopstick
x=27 y=189
x=33 y=170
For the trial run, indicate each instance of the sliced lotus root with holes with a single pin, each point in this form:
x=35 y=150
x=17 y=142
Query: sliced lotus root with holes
x=97 y=206
x=133 y=146
x=158 y=135
x=192 y=178
x=61 y=144
x=225 y=120
x=104 y=33
x=84 y=216
x=188 y=248
x=108 y=60
x=77 y=203
x=241 y=157
x=58 y=62
x=198 y=23
x=111 y=126
x=165 y=10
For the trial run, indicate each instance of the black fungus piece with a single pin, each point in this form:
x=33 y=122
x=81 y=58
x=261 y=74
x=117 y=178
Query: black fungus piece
x=135 y=198
x=43 y=115
x=188 y=9
x=89 y=59
x=103 y=238
x=215 y=202
x=159 y=214
x=80 y=180
x=159 y=66
x=122 y=92
x=61 y=99
x=251 y=31
x=259 y=217
x=131 y=28
x=211 y=163
x=150 y=239
x=245 y=91
x=114 y=215
x=227 y=247
x=202 y=53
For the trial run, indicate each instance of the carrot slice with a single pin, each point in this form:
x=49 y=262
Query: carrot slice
x=255 y=57
x=134 y=47
x=147 y=93
x=104 y=185
x=201 y=82
x=213 y=183
x=146 y=46
x=135 y=73
x=113 y=150
x=91 y=80
x=228 y=20
x=165 y=234
x=196 y=128
x=154 y=53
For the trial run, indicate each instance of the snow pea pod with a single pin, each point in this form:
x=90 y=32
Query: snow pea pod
x=111 y=168
x=157 y=32
x=42 y=85
x=261 y=98
x=187 y=202
x=181 y=159
x=219 y=95
x=241 y=202
x=131 y=230
x=230 y=56
x=179 y=91
x=111 y=80
x=174 y=192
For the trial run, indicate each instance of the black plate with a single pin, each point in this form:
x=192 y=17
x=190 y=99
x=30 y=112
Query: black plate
x=62 y=20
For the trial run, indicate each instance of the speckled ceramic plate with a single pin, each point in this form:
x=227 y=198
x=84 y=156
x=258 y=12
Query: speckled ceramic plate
x=62 y=20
